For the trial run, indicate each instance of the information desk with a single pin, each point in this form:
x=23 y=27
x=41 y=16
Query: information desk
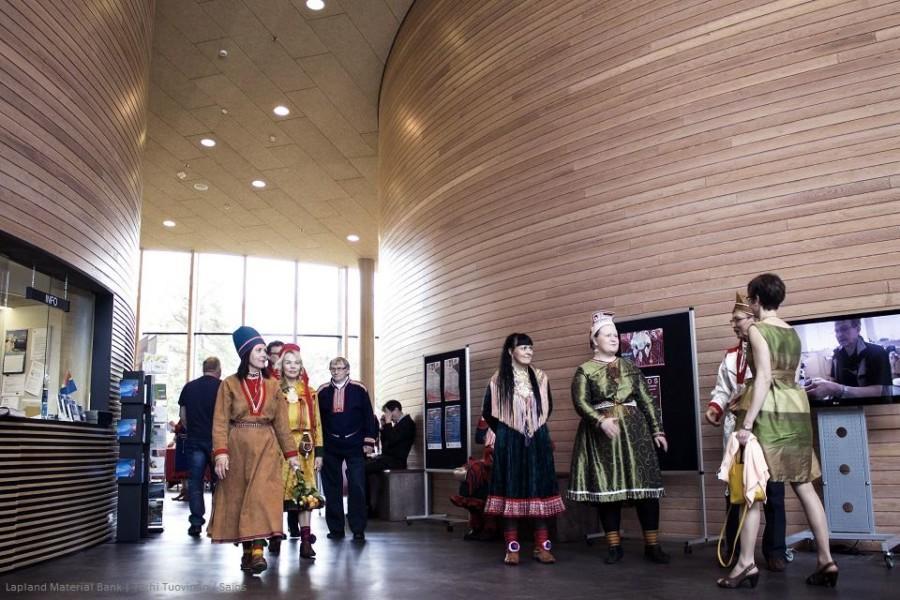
x=57 y=489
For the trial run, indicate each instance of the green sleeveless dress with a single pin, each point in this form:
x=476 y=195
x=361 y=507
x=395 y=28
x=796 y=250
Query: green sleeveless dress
x=783 y=426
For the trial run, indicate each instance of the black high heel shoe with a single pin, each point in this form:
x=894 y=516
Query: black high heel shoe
x=823 y=577
x=744 y=576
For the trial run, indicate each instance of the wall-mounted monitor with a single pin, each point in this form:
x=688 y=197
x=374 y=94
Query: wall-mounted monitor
x=850 y=359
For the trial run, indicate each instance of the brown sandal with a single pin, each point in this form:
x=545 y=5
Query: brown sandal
x=737 y=581
x=823 y=576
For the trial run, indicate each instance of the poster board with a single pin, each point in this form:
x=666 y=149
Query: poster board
x=663 y=346
x=446 y=409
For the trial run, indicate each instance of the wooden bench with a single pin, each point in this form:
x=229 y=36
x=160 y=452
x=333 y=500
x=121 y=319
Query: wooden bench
x=402 y=494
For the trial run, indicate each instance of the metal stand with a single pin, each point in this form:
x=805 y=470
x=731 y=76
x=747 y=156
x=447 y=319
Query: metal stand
x=447 y=520
x=846 y=481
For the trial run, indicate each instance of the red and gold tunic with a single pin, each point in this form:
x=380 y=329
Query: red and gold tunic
x=306 y=429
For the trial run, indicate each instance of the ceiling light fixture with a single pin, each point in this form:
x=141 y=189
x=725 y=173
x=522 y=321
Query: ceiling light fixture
x=281 y=111
x=201 y=187
x=208 y=142
x=315 y=4
x=352 y=238
x=169 y=223
x=223 y=53
x=258 y=184
x=181 y=175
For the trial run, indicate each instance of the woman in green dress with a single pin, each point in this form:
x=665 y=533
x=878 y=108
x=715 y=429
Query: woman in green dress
x=775 y=409
x=614 y=459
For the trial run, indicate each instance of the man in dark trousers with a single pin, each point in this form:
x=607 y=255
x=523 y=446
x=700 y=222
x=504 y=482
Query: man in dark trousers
x=398 y=433
x=349 y=429
x=197 y=402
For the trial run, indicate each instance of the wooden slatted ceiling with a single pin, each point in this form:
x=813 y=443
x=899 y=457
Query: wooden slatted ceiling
x=539 y=161
x=73 y=104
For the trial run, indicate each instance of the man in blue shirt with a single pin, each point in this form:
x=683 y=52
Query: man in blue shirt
x=197 y=402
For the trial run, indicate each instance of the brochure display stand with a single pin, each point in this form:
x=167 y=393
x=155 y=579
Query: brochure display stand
x=447 y=423
x=132 y=467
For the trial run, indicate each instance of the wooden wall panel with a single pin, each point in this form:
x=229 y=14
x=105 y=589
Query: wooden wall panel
x=542 y=160
x=73 y=103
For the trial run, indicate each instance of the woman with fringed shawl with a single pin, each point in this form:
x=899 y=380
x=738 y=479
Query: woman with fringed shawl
x=523 y=485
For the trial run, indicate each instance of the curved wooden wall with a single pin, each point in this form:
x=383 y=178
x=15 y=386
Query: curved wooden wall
x=541 y=160
x=73 y=103
x=57 y=489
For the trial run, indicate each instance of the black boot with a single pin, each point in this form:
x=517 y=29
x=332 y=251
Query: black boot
x=614 y=554
x=293 y=519
x=655 y=554
x=275 y=546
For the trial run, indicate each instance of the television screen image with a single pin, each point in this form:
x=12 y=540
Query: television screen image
x=126 y=468
x=126 y=428
x=128 y=388
x=850 y=359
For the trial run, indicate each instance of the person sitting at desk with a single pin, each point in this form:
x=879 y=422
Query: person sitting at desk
x=859 y=369
x=398 y=433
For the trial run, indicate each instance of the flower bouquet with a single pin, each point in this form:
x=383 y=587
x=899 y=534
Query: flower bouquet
x=306 y=496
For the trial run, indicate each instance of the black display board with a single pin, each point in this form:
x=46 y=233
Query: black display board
x=663 y=347
x=446 y=410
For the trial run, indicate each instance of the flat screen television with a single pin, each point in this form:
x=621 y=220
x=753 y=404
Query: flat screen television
x=851 y=359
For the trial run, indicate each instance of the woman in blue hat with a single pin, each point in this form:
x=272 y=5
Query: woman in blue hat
x=250 y=425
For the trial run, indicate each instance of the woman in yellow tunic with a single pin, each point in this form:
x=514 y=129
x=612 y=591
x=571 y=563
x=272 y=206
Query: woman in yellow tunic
x=250 y=423
x=306 y=429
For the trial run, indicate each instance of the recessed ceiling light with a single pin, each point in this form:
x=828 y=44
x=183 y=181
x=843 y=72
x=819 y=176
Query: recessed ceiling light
x=223 y=53
x=224 y=111
x=180 y=174
x=201 y=187
x=258 y=184
x=315 y=4
x=169 y=223
x=273 y=139
x=281 y=111
x=208 y=142
x=352 y=238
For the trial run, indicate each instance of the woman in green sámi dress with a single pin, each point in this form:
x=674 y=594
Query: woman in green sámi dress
x=775 y=410
x=614 y=459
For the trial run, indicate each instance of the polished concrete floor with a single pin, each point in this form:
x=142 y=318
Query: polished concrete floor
x=421 y=561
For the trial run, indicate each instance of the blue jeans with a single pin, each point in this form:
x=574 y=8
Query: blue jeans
x=356 y=489
x=199 y=454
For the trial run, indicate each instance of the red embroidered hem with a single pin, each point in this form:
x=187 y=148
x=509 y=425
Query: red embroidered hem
x=516 y=508
x=292 y=453
x=715 y=407
x=220 y=451
x=261 y=536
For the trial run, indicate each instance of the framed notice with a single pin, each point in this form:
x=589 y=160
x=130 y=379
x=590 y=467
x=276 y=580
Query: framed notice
x=14 y=351
x=446 y=400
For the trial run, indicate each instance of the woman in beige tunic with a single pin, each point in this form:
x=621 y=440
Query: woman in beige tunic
x=250 y=433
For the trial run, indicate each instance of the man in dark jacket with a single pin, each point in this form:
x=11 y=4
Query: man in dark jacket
x=398 y=433
x=349 y=428
x=197 y=402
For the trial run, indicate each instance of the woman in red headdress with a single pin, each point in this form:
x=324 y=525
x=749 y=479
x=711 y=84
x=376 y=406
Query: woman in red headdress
x=306 y=430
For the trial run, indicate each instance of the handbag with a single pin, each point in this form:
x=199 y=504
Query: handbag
x=736 y=497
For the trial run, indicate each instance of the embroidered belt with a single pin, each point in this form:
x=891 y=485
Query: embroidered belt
x=251 y=424
x=607 y=405
x=339 y=436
